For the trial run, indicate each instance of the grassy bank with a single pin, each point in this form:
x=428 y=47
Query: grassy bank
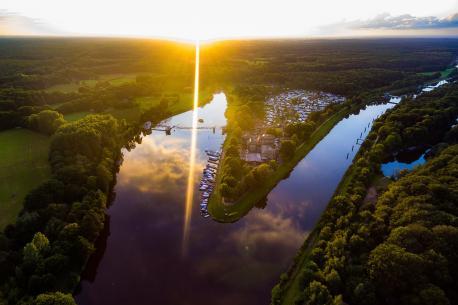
x=23 y=166
x=230 y=213
x=292 y=285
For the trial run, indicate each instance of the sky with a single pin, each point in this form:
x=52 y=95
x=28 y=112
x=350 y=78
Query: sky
x=215 y=19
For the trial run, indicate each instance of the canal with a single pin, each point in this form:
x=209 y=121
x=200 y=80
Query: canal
x=139 y=259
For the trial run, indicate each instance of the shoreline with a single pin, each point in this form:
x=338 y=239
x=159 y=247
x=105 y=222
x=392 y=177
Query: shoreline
x=231 y=213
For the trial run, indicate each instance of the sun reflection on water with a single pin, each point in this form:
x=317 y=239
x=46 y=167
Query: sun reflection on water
x=192 y=156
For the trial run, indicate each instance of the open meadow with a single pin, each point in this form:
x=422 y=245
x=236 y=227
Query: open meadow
x=23 y=166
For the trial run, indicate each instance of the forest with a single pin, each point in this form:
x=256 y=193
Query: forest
x=89 y=97
x=346 y=66
x=401 y=247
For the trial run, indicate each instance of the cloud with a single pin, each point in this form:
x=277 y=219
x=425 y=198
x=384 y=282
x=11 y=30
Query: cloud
x=386 y=23
x=407 y=22
x=158 y=166
x=15 y=24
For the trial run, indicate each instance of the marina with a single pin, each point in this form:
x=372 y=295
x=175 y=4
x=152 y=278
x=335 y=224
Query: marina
x=239 y=262
x=296 y=106
x=207 y=182
x=219 y=255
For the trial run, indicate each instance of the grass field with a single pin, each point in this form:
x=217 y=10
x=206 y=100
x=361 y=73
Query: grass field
x=443 y=74
x=447 y=72
x=23 y=166
x=231 y=213
x=114 y=79
x=71 y=117
x=184 y=103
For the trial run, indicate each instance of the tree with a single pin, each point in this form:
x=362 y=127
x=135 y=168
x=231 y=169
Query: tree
x=46 y=121
x=261 y=172
x=245 y=118
x=54 y=298
x=232 y=151
x=287 y=150
x=234 y=166
x=393 y=141
x=34 y=249
x=226 y=190
x=333 y=280
x=230 y=180
x=317 y=294
x=433 y=295
x=414 y=238
x=392 y=268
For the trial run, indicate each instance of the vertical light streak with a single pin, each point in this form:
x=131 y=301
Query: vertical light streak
x=192 y=156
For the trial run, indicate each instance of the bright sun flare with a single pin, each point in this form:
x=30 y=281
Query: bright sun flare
x=192 y=155
x=208 y=19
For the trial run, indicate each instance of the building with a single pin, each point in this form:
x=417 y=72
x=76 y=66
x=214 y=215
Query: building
x=268 y=152
x=252 y=144
x=267 y=139
x=253 y=158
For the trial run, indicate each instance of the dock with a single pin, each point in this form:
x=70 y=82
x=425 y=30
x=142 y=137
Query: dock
x=207 y=183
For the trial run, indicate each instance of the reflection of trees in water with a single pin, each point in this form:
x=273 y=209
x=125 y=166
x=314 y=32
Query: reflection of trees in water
x=409 y=155
x=261 y=204
x=90 y=271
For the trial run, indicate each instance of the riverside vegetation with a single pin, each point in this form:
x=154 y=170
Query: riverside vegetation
x=64 y=90
x=399 y=248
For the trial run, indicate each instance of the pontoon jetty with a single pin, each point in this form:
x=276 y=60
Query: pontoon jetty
x=208 y=180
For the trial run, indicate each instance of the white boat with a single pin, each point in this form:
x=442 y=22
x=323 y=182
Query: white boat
x=213 y=153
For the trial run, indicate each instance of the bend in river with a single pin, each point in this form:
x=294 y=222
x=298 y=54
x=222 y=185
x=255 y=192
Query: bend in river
x=139 y=260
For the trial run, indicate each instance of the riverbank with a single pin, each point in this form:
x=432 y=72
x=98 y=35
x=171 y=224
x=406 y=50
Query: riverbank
x=233 y=212
x=361 y=176
x=289 y=286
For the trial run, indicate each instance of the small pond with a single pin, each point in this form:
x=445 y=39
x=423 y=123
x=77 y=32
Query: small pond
x=405 y=160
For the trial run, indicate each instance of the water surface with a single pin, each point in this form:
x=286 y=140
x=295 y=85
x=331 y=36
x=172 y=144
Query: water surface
x=406 y=160
x=139 y=259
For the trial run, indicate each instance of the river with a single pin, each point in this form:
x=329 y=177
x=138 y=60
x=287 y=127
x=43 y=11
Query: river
x=140 y=259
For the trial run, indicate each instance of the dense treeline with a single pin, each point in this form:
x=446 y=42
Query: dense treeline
x=42 y=62
x=45 y=251
x=104 y=95
x=42 y=255
x=21 y=108
x=347 y=67
x=400 y=249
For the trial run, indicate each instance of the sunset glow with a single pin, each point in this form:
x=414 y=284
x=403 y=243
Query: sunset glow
x=192 y=155
x=206 y=19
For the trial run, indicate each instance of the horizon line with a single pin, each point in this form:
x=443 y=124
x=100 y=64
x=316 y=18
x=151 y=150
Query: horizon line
x=235 y=38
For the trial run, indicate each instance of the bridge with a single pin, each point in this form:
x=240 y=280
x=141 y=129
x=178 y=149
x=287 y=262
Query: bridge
x=168 y=128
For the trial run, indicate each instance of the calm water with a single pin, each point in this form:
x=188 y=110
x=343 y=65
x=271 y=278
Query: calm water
x=139 y=259
x=408 y=160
